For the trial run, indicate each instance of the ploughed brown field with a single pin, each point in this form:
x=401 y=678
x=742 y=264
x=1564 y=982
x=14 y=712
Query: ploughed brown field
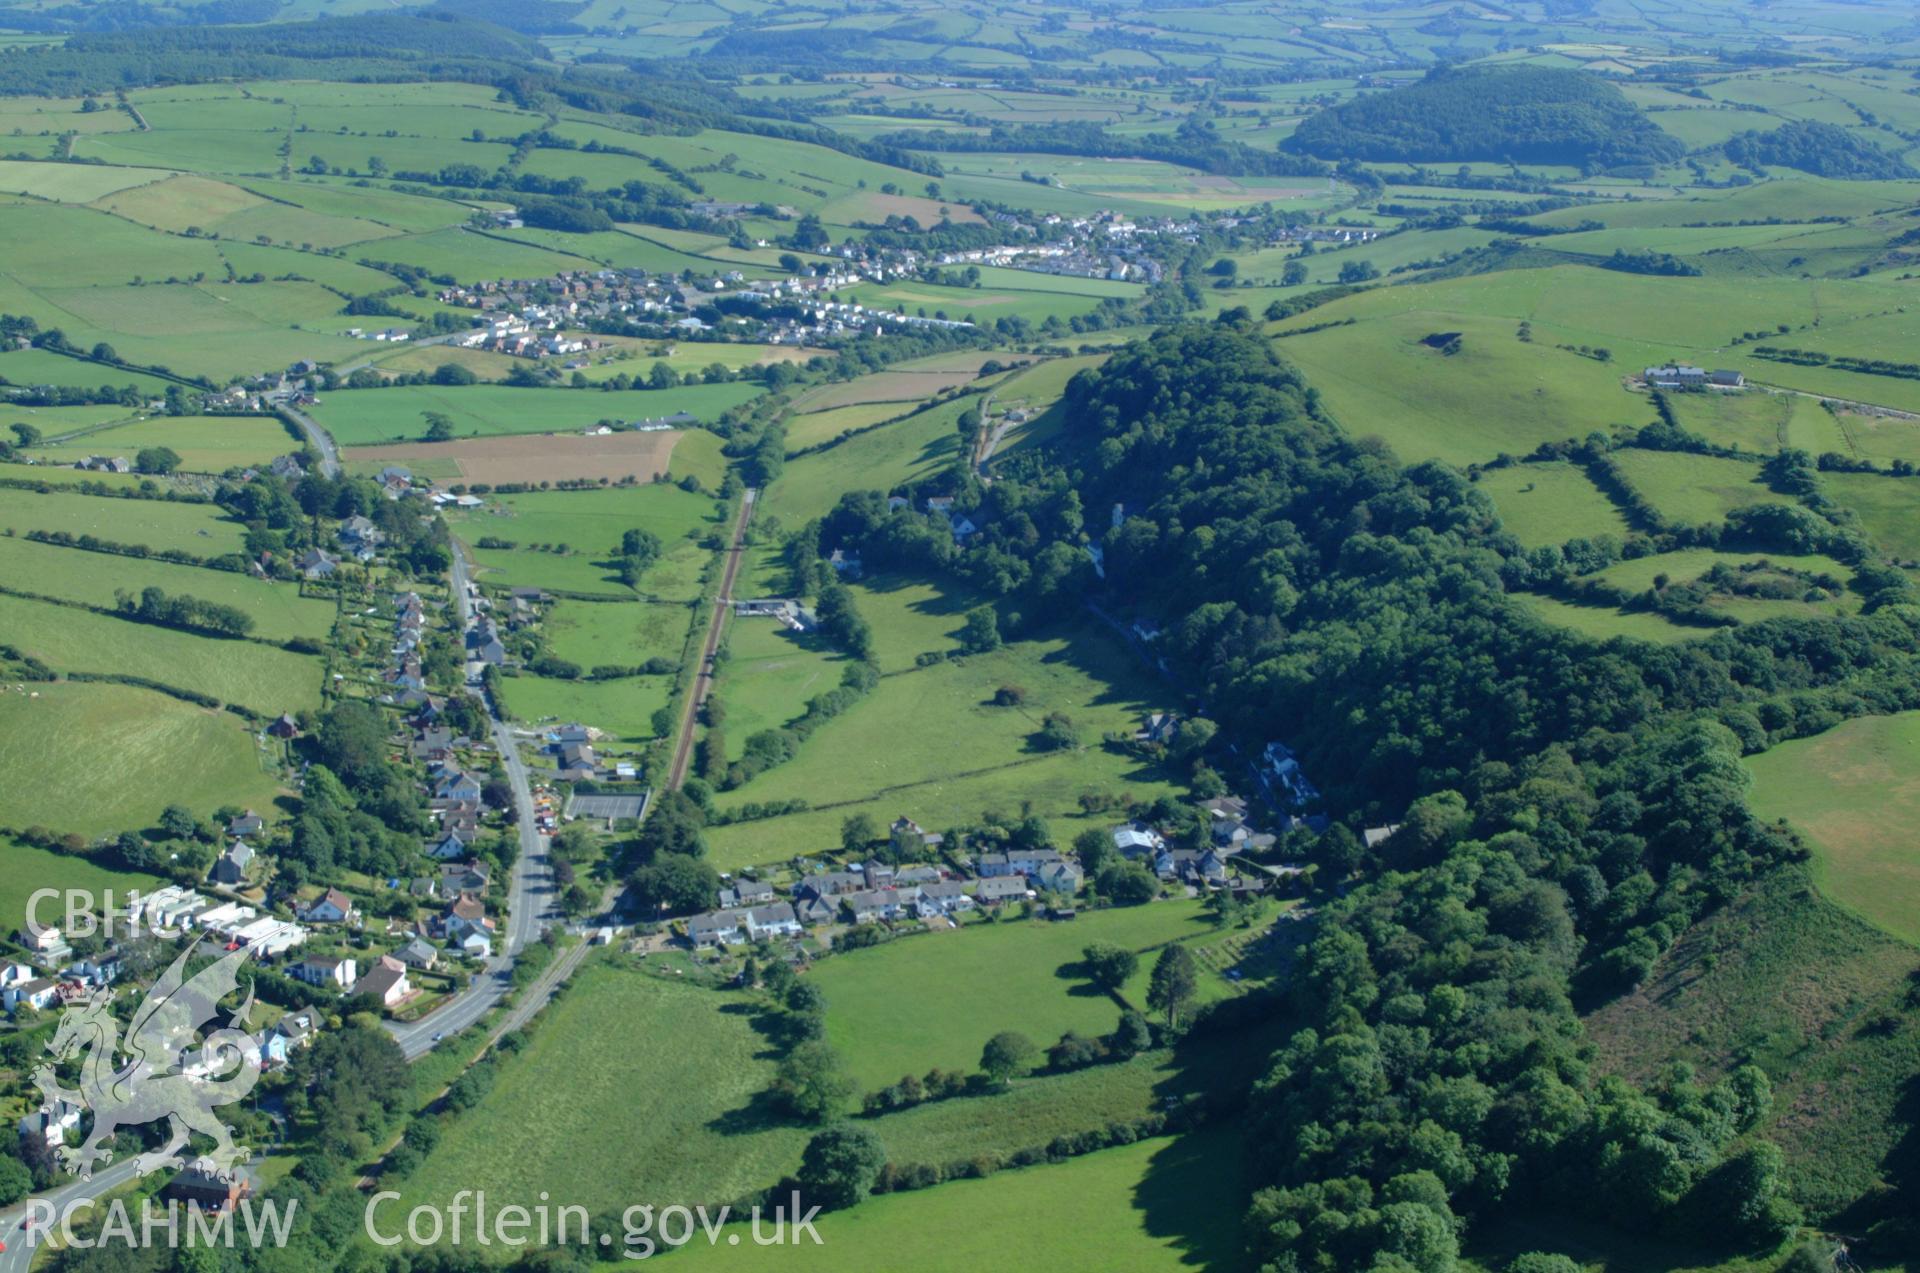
x=532 y=457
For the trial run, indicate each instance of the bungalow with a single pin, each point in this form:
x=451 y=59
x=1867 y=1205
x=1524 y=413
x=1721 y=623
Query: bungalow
x=1136 y=840
x=1374 y=837
x=269 y=936
x=331 y=907
x=832 y=883
x=943 y=897
x=248 y=823
x=317 y=563
x=37 y=994
x=231 y=867
x=869 y=905
x=49 y=946
x=476 y=946
x=327 y=971
x=419 y=954
x=915 y=876
x=746 y=893
x=992 y=892
x=92 y=972
x=456 y=784
x=813 y=910
x=467 y=880
x=386 y=981
x=449 y=846
x=777 y=920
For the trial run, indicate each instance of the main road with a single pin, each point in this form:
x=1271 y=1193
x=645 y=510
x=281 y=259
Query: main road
x=703 y=680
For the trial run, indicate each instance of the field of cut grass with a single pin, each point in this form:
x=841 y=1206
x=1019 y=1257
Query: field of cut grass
x=204 y=530
x=25 y=870
x=934 y=1000
x=205 y=444
x=1497 y=395
x=1694 y=489
x=1548 y=504
x=816 y=427
x=881 y=459
x=625 y=633
x=1889 y=508
x=623 y=708
x=263 y=678
x=930 y=725
x=589 y=524
x=634 y=1090
x=1156 y=1206
x=278 y=609
x=363 y=417
x=99 y=759
x=911 y=617
x=1604 y=623
x=1855 y=792
x=769 y=674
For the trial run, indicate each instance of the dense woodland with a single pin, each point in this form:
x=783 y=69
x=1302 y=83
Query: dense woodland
x=1566 y=814
x=1511 y=113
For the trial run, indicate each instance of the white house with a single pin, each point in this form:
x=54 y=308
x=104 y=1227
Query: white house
x=327 y=971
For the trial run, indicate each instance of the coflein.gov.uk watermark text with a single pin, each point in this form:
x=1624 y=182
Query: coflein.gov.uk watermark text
x=467 y=1220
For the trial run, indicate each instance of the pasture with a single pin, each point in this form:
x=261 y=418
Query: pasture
x=929 y=725
x=769 y=674
x=914 y=447
x=907 y=1006
x=623 y=708
x=1548 y=504
x=533 y=457
x=815 y=427
x=205 y=444
x=24 y=870
x=590 y=632
x=73 y=574
x=1889 y=509
x=634 y=1089
x=1157 y=1205
x=881 y=386
x=365 y=417
x=1694 y=489
x=567 y=540
x=1605 y=623
x=201 y=529
x=263 y=678
x=1855 y=792
x=98 y=759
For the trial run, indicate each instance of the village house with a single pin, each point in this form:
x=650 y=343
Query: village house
x=230 y=868
x=418 y=954
x=286 y=1036
x=386 y=981
x=745 y=893
x=205 y=1190
x=248 y=823
x=331 y=907
x=326 y=971
x=992 y=892
x=910 y=842
x=1137 y=840
x=942 y=897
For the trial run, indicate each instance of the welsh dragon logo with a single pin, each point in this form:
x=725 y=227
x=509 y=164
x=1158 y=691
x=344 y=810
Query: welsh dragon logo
x=163 y=1075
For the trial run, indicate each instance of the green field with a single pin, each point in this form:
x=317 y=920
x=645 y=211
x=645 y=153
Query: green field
x=589 y=525
x=1155 y=1206
x=205 y=444
x=204 y=530
x=26 y=870
x=263 y=678
x=634 y=1090
x=624 y=708
x=626 y=633
x=1604 y=623
x=1548 y=504
x=1889 y=508
x=1855 y=792
x=363 y=417
x=768 y=676
x=926 y=727
x=882 y=458
x=934 y=1000
x=1694 y=489
x=98 y=759
x=71 y=574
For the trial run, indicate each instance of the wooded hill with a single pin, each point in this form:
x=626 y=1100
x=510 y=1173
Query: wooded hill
x=1526 y=114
